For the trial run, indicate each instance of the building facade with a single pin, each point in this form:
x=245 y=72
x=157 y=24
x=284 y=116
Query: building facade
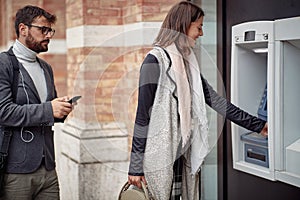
x=96 y=52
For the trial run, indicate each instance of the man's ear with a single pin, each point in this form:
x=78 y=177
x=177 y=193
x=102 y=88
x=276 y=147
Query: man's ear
x=23 y=29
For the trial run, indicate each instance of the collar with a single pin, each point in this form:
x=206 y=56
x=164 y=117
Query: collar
x=24 y=53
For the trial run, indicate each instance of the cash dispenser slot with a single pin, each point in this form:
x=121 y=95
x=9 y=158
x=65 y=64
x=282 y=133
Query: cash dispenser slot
x=256 y=149
x=251 y=153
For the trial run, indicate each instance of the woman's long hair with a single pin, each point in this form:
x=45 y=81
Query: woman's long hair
x=175 y=25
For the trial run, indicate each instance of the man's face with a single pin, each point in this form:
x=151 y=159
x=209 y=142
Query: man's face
x=37 y=39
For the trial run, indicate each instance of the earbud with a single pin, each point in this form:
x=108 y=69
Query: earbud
x=22 y=129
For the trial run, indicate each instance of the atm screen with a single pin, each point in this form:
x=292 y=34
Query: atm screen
x=249 y=36
x=263 y=106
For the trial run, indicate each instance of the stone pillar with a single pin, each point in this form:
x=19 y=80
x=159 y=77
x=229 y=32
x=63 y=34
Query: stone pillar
x=93 y=143
x=106 y=43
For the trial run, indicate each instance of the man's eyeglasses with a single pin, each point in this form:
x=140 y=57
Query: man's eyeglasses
x=45 y=30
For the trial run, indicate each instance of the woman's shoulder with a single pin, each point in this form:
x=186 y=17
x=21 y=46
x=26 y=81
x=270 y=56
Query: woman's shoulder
x=150 y=66
x=150 y=58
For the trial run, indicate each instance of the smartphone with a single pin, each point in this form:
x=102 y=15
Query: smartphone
x=74 y=99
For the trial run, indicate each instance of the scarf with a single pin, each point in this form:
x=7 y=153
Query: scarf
x=191 y=107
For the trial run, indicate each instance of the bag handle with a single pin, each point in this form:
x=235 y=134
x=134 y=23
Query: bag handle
x=145 y=189
x=127 y=185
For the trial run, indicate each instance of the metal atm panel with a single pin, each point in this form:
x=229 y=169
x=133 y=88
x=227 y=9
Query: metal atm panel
x=252 y=65
x=287 y=73
x=266 y=60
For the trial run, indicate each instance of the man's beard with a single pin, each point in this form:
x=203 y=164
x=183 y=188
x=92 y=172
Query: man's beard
x=35 y=45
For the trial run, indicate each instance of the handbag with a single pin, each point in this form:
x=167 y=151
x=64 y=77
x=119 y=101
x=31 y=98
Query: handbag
x=3 y=157
x=131 y=192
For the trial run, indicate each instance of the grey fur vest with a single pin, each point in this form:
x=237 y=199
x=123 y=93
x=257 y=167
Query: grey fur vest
x=164 y=137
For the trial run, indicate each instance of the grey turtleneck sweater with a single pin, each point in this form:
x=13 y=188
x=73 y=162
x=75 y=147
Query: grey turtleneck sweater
x=28 y=59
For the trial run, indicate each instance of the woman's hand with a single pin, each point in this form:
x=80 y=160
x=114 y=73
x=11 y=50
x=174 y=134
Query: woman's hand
x=136 y=180
x=264 y=131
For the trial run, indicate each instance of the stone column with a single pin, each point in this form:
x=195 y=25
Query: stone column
x=93 y=150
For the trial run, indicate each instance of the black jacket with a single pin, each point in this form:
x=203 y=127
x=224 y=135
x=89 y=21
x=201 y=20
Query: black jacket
x=27 y=120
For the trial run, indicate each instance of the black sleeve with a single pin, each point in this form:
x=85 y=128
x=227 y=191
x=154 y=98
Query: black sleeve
x=149 y=75
x=230 y=111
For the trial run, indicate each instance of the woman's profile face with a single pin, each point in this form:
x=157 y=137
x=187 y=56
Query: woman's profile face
x=195 y=31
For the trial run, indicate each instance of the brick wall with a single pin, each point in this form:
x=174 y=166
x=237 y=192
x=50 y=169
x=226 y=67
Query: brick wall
x=114 y=62
x=2 y=21
x=57 y=60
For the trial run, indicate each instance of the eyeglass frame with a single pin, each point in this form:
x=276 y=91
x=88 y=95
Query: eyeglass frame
x=44 y=32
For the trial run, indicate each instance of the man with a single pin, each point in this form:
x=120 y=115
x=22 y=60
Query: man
x=30 y=115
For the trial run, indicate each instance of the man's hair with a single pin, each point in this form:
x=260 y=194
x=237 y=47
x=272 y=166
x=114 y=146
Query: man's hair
x=29 y=13
x=175 y=25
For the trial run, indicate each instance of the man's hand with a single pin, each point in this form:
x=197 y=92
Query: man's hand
x=61 y=107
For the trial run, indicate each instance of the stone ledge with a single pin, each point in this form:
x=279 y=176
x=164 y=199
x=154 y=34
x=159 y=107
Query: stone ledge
x=93 y=145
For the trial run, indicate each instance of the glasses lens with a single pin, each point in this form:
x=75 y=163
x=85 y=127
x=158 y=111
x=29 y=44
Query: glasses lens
x=46 y=30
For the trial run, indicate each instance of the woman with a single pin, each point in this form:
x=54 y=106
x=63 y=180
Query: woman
x=171 y=127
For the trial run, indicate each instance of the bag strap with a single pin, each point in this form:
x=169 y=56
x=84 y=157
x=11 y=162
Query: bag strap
x=167 y=54
x=5 y=142
x=14 y=87
x=15 y=64
x=145 y=188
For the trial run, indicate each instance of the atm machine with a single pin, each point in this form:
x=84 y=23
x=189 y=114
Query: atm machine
x=252 y=87
x=265 y=81
x=287 y=76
